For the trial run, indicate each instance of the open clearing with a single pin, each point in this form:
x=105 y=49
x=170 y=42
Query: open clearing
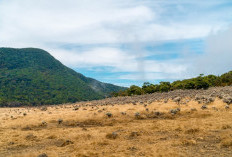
x=128 y=129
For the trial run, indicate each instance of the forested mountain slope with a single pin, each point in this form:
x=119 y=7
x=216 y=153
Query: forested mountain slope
x=32 y=76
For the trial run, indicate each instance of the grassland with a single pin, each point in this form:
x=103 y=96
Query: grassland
x=134 y=129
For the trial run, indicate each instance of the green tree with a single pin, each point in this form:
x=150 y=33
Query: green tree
x=164 y=86
x=134 y=90
x=189 y=84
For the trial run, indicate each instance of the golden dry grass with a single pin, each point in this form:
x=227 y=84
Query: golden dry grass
x=89 y=132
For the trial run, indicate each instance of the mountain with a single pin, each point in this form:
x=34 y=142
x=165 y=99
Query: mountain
x=31 y=76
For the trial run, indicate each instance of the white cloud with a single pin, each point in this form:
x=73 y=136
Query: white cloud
x=48 y=24
x=217 y=58
x=118 y=61
x=96 y=57
x=88 y=22
x=67 y=21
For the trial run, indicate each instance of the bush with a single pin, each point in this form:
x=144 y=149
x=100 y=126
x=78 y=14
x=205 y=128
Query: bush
x=134 y=90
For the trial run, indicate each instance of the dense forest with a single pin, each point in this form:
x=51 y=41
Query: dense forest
x=200 y=82
x=33 y=77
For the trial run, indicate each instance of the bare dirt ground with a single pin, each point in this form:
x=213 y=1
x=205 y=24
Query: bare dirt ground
x=179 y=123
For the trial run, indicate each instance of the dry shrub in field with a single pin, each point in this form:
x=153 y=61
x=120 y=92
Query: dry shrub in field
x=31 y=137
x=192 y=131
x=103 y=143
x=112 y=135
x=26 y=128
x=83 y=124
x=134 y=135
x=224 y=127
x=52 y=137
x=187 y=142
x=63 y=143
x=140 y=116
x=34 y=127
x=226 y=143
x=200 y=115
x=109 y=114
x=92 y=122
x=60 y=121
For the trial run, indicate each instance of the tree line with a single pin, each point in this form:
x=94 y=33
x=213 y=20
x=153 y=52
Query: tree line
x=200 y=82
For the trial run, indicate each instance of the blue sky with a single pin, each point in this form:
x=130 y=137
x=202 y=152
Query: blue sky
x=125 y=42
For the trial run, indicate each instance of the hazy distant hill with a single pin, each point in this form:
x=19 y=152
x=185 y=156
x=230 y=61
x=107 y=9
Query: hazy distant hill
x=33 y=76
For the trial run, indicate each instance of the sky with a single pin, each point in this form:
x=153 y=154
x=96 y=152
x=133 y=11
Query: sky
x=125 y=42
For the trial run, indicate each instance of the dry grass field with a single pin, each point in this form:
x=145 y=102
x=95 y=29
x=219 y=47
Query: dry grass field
x=130 y=129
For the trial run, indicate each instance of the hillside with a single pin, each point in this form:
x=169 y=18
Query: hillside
x=32 y=76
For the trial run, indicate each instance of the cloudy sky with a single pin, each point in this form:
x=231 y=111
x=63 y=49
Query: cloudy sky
x=125 y=42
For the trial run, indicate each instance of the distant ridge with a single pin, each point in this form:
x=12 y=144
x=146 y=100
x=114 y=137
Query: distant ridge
x=31 y=76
